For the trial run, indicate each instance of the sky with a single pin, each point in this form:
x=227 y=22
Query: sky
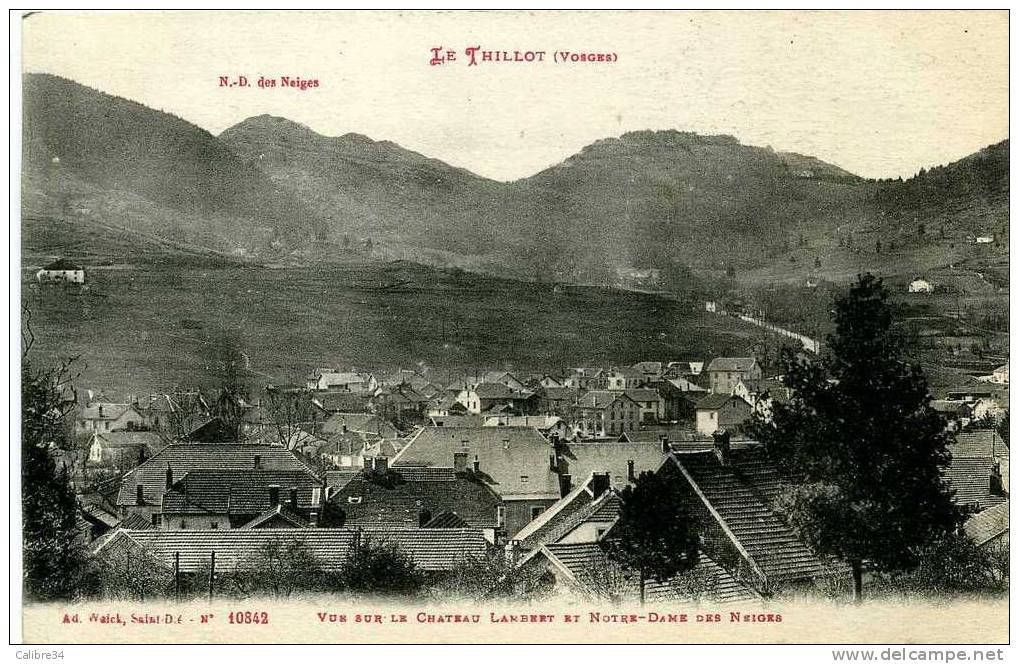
x=878 y=93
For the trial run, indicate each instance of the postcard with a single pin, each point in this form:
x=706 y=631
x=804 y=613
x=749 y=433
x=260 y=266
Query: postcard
x=513 y=327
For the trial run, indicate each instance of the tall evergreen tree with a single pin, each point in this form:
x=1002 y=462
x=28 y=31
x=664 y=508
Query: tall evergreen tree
x=53 y=546
x=655 y=535
x=867 y=450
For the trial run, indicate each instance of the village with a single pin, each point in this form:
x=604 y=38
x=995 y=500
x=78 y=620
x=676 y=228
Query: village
x=520 y=472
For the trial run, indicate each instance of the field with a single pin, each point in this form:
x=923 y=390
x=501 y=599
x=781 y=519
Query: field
x=142 y=329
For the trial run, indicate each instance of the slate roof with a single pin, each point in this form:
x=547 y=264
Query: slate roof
x=187 y=457
x=341 y=401
x=454 y=421
x=970 y=478
x=513 y=460
x=573 y=509
x=716 y=401
x=979 y=443
x=493 y=391
x=580 y=459
x=540 y=422
x=742 y=494
x=599 y=399
x=581 y=559
x=135 y=521
x=62 y=264
x=685 y=385
x=642 y=394
x=149 y=440
x=110 y=411
x=446 y=520
x=401 y=503
x=241 y=492
x=733 y=364
x=278 y=513
x=984 y=526
x=358 y=422
x=569 y=394
x=340 y=478
x=432 y=549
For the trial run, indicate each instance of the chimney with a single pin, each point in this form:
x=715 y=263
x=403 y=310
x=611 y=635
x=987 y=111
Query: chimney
x=477 y=464
x=631 y=476
x=666 y=448
x=565 y=484
x=344 y=428
x=460 y=462
x=169 y=476
x=723 y=449
x=424 y=516
x=381 y=464
x=100 y=410
x=258 y=462
x=139 y=494
x=313 y=519
x=553 y=464
x=293 y=497
x=599 y=484
x=274 y=495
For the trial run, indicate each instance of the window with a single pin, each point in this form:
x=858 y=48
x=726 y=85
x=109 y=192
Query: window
x=599 y=533
x=183 y=525
x=524 y=479
x=214 y=525
x=500 y=516
x=155 y=519
x=316 y=496
x=536 y=512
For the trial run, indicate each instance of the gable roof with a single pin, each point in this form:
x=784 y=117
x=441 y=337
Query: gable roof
x=582 y=563
x=514 y=460
x=581 y=459
x=979 y=443
x=184 y=458
x=565 y=515
x=560 y=393
x=989 y=524
x=686 y=385
x=717 y=401
x=740 y=496
x=970 y=478
x=150 y=440
x=275 y=515
x=431 y=549
x=734 y=364
x=242 y=492
x=601 y=399
x=62 y=264
x=402 y=502
x=643 y=394
x=539 y=422
x=359 y=422
x=104 y=411
x=446 y=520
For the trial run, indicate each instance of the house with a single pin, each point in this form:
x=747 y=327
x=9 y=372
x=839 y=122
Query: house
x=921 y=286
x=958 y=414
x=122 y=449
x=584 y=514
x=601 y=413
x=734 y=489
x=585 y=569
x=620 y=461
x=677 y=369
x=412 y=497
x=622 y=378
x=354 y=382
x=487 y=396
x=650 y=370
x=363 y=423
x=585 y=378
x=721 y=411
x=502 y=377
x=345 y=449
x=109 y=417
x=725 y=372
x=61 y=271
x=679 y=405
x=400 y=402
x=989 y=528
x=142 y=488
x=548 y=425
x=1000 y=375
x=969 y=393
x=342 y=402
x=549 y=381
x=433 y=550
x=762 y=394
x=652 y=405
x=518 y=463
x=219 y=499
x=557 y=400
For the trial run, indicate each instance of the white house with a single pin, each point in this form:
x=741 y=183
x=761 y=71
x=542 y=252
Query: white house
x=921 y=286
x=61 y=271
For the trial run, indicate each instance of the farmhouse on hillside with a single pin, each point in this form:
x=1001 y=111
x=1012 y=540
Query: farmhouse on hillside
x=61 y=271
